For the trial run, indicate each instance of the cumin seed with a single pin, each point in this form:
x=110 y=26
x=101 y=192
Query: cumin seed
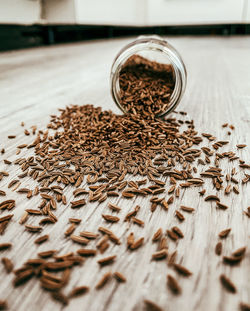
x=104 y=280
x=218 y=248
x=173 y=285
x=120 y=277
x=224 y=233
x=227 y=284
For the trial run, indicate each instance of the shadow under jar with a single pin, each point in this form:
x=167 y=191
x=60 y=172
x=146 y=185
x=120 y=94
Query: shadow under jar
x=148 y=77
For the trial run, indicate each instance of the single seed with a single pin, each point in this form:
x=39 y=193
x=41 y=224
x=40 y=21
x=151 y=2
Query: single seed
x=179 y=215
x=173 y=285
x=104 y=279
x=236 y=190
x=171 y=258
x=218 y=248
x=224 y=233
x=86 y=252
x=137 y=244
x=75 y=220
x=221 y=206
x=160 y=254
x=212 y=198
x=2 y=193
x=47 y=254
x=42 y=239
x=172 y=235
x=8 y=265
x=137 y=221
x=120 y=277
x=152 y=306
x=78 y=203
x=232 y=260
x=240 y=146
x=182 y=270
x=157 y=235
x=227 y=284
x=163 y=244
x=114 y=207
x=239 y=252
x=79 y=240
x=106 y=260
x=130 y=240
x=77 y=291
x=4 y=246
x=58 y=296
x=70 y=229
x=187 y=209
x=110 y=218
x=178 y=231
x=7 y=217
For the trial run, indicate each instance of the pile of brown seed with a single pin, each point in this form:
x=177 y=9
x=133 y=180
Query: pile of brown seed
x=115 y=155
x=145 y=86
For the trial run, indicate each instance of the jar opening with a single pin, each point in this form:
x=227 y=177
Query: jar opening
x=149 y=76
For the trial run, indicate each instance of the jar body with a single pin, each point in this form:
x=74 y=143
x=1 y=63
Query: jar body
x=158 y=50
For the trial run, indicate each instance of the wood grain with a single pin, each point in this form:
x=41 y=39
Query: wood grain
x=34 y=83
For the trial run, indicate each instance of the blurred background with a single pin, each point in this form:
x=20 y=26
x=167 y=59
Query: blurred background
x=26 y=23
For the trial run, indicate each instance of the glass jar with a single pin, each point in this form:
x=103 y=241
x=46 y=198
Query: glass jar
x=158 y=50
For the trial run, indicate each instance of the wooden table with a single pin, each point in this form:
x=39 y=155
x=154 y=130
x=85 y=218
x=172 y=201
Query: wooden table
x=34 y=83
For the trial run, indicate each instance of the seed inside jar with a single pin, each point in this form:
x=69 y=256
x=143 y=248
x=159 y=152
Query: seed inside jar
x=146 y=86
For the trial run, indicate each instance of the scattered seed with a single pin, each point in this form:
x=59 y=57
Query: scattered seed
x=212 y=198
x=42 y=239
x=221 y=206
x=88 y=235
x=173 y=285
x=172 y=258
x=77 y=291
x=79 y=239
x=70 y=229
x=152 y=306
x=58 y=296
x=104 y=279
x=172 y=235
x=107 y=260
x=224 y=233
x=157 y=235
x=239 y=252
x=178 y=231
x=137 y=244
x=8 y=265
x=179 y=215
x=120 y=277
x=182 y=270
x=4 y=246
x=160 y=254
x=218 y=248
x=227 y=284
x=232 y=260
x=187 y=209
x=110 y=218
x=86 y=252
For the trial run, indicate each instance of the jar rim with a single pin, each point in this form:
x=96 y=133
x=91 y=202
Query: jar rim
x=154 y=43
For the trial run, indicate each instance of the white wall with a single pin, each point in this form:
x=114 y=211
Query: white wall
x=173 y=12
x=19 y=11
x=125 y=12
x=107 y=12
x=59 y=11
x=246 y=15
